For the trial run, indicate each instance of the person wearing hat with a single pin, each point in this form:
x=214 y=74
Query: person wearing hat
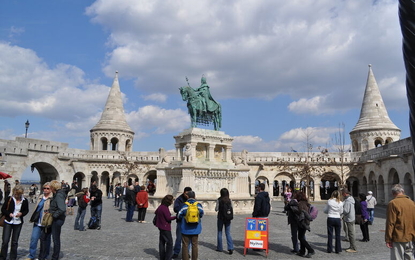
x=371 y=203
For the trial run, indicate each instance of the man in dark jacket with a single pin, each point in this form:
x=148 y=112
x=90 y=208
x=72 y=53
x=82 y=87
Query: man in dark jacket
x=96 y=204
x=178 y=204
x=262 y=204
x=130 y=202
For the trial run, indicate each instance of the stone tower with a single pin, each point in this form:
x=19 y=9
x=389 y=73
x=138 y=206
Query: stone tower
x=374 y=127
x=112 y=132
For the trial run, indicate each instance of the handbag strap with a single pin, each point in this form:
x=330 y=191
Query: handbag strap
x=8 y=204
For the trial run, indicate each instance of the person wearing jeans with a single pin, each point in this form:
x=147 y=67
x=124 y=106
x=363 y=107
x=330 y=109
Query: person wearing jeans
x=130 y=202
x=371 y=203
x=178 y=204
x=83 y=199
x=58 y=210
x=222 y=205
x=349 y=219
x=122 y=195
x=14 y=209
x=96 y=204
x=334 y=209
x=43 y=204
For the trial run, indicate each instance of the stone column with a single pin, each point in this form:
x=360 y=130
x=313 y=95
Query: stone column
x=162 y=188
x=88 y=180
x=178 y=152
x=211 y=153
x=228 y=153
x=387 y=191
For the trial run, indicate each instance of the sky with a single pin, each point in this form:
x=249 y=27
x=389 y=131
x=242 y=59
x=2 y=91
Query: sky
x=283 y=71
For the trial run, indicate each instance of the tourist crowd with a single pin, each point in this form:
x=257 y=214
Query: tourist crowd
x=342 y=209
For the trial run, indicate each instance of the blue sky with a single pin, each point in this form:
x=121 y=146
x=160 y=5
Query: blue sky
x=280 y=69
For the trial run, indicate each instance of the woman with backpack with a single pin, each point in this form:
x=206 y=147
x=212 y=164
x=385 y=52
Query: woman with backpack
x=225 y=215
x=163 y=222
x=83 y=200
x=303 y=220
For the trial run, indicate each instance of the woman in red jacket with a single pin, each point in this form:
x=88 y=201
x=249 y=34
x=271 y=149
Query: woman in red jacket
x=142 y=204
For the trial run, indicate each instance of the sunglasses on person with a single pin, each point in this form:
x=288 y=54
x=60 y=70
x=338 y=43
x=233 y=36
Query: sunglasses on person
x=46 y=188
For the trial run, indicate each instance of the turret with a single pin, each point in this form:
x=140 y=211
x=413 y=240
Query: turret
x=112 y=132
x=374 y=127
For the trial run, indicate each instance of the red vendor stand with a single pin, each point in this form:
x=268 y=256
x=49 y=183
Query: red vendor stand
x=256 y=234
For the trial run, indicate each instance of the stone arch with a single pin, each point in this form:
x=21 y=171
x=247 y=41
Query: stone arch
x=284 y=179
x=104 y=143
x=388 y=140
x=114 y=144
x=105 y=182
x=407 y=185
x=352 y=184
x=329 y=183
x=94 y=178
x=303 y=187
x=381 y=189
x=116 y=178
x=47 y=172
x=276 y=185
x=393 y=178
x=151 y=176
x=261 y=179
x=80 y=179
x=372 y=185
x=378 y=142
x=132 y=179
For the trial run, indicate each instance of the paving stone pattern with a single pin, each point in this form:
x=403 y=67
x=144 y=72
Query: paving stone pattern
x=119 y=239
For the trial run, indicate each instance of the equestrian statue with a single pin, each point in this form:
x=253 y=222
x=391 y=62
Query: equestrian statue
x=203 y=109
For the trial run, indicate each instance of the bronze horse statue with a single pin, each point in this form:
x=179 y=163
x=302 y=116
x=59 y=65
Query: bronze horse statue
x=203 y=109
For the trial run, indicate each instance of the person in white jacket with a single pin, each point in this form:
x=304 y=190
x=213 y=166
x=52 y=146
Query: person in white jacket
x=371 y=203
x=334 y=210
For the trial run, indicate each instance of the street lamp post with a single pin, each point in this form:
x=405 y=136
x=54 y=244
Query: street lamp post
x=27 y=124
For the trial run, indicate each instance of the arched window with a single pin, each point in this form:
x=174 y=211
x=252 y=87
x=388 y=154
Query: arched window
x=104 y=142
x=378 y=142
x=114 y=144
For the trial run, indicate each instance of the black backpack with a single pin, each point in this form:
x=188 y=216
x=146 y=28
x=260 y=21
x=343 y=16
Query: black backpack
x=81 y=201
x=225 y=210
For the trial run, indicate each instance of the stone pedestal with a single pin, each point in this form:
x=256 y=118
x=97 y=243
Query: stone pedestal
x=204 y=163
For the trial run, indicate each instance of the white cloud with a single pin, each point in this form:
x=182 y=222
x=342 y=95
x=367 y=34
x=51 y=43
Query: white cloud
x=158 y=120
x=256 y=48
x=313 y=105
x=39 y=90
x=253 y=144
x=298 y=138
x=158 y=97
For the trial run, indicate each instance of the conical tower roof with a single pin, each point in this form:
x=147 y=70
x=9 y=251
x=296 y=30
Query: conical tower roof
x=113 y=116
x=373 y=115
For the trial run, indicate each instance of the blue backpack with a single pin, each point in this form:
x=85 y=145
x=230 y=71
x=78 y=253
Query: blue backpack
x=93 y=223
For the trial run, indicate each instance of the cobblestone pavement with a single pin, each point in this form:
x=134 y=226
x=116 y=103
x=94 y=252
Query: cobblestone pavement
x=119 y=239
